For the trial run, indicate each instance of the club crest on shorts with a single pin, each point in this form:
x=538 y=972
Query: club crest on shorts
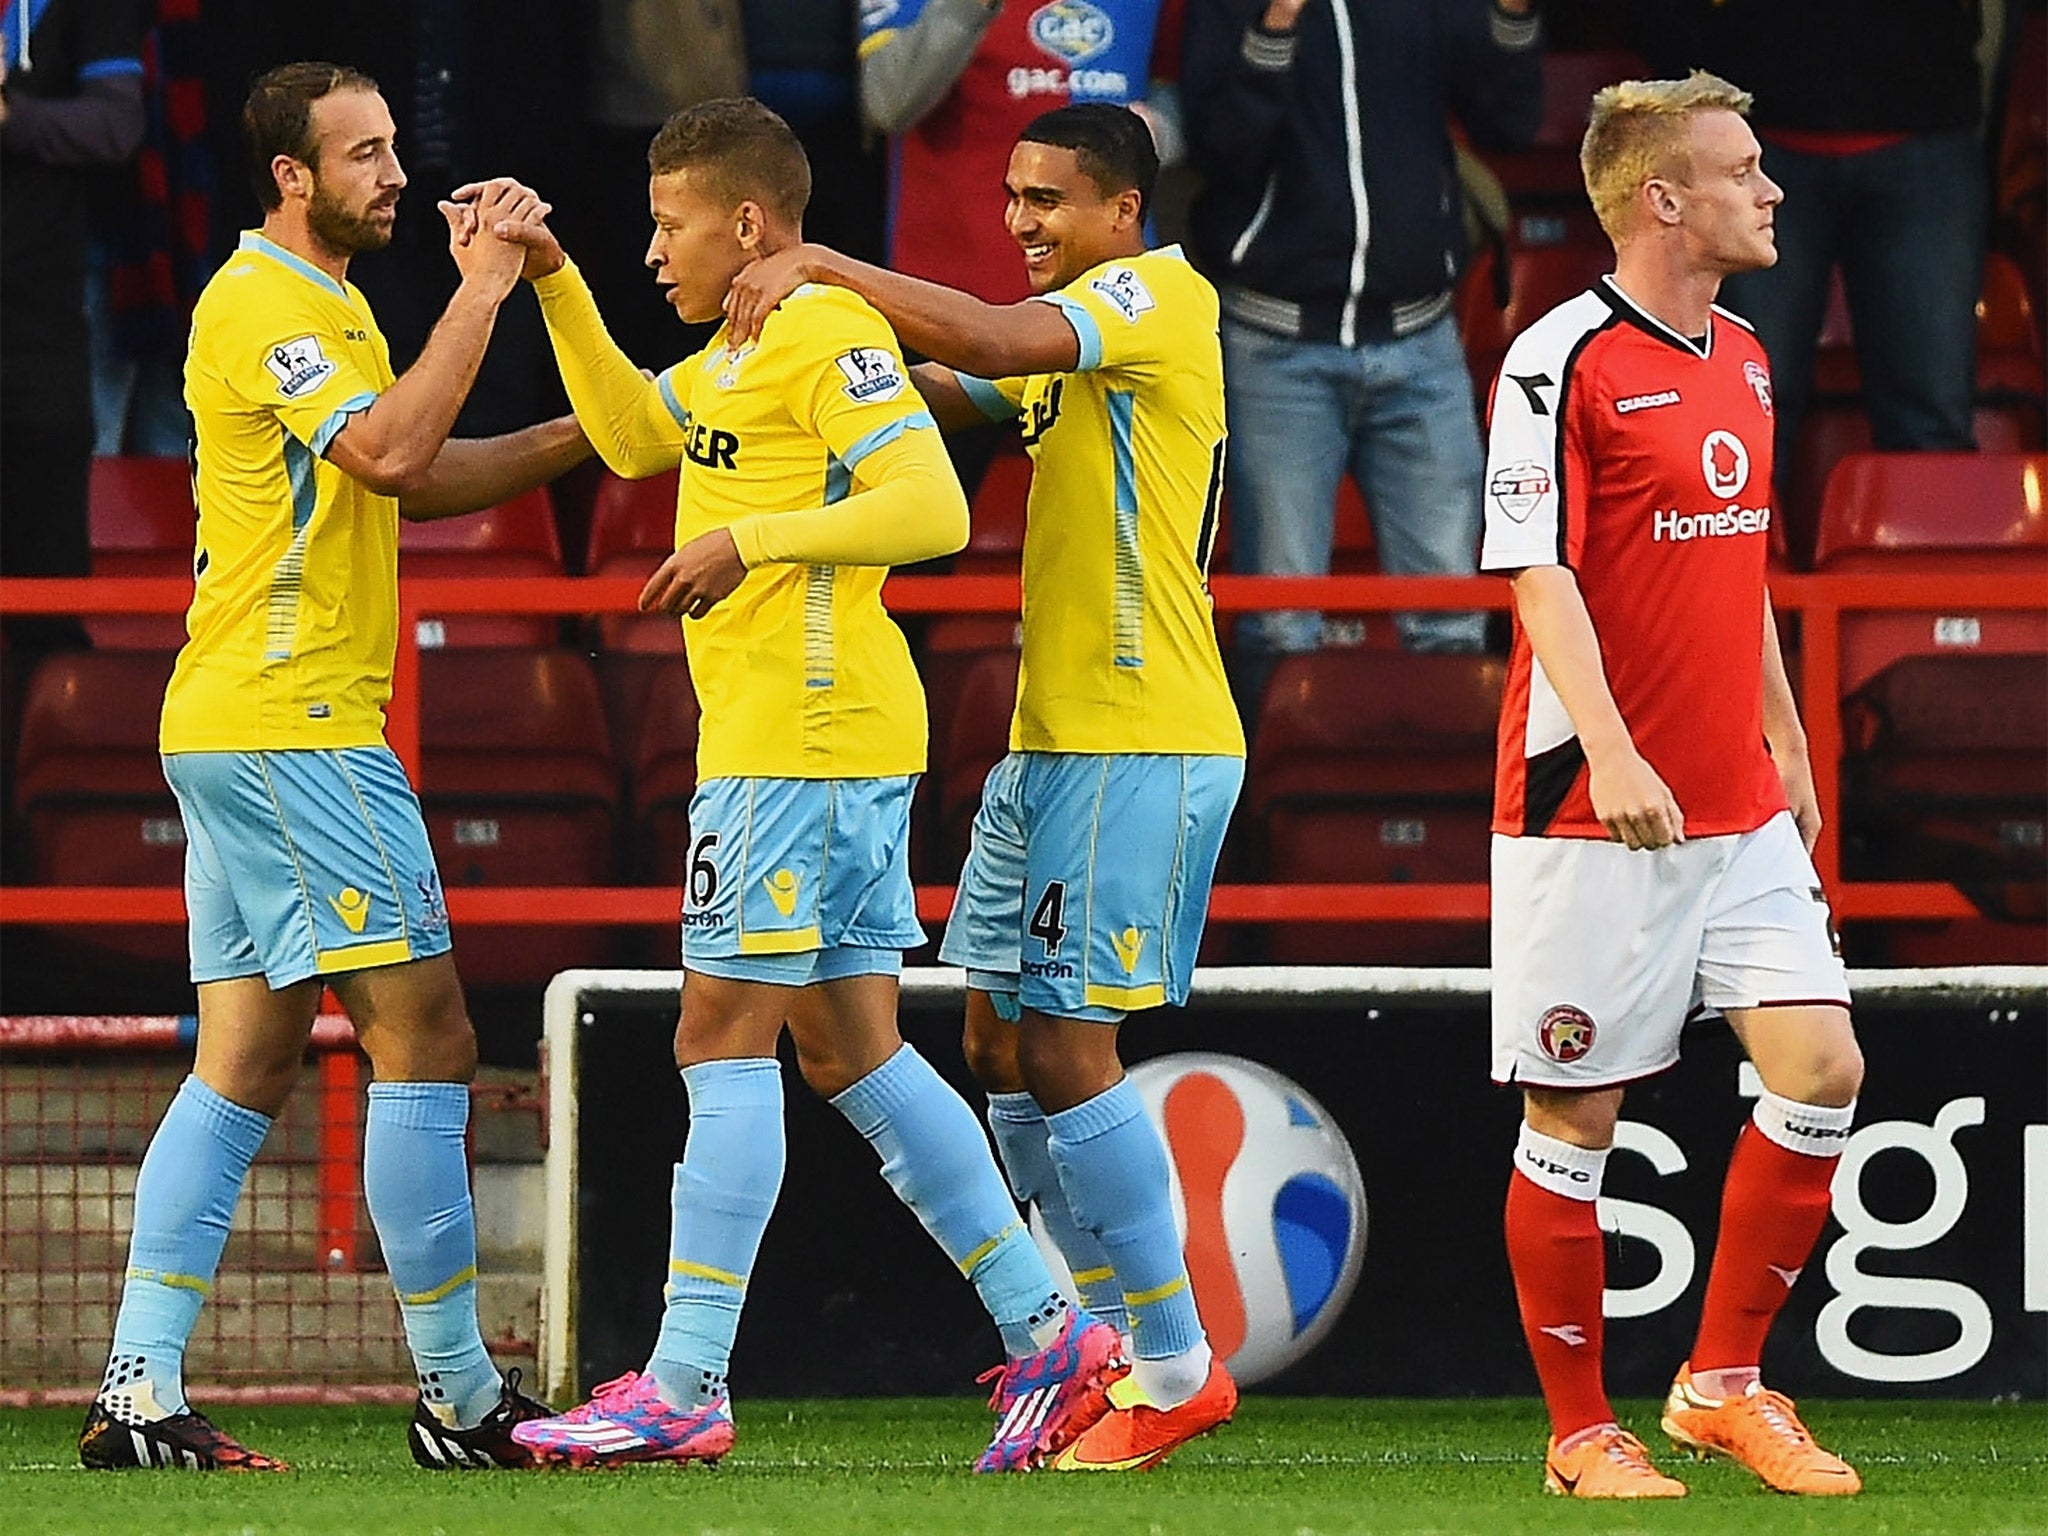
x=1565 y=1033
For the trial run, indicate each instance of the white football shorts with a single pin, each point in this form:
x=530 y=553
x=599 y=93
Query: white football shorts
x=1601 y=954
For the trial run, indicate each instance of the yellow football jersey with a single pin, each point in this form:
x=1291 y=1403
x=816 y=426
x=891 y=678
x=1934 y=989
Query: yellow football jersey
x=814 y=449
x=294 y=616
x=1120 y=650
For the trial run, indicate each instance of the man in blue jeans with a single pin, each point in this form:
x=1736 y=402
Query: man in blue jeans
x=1331 y=225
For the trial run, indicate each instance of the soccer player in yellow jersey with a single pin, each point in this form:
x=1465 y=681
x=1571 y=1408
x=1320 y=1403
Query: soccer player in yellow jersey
x=1088 y=881
x=809 y=465
x=307 y=863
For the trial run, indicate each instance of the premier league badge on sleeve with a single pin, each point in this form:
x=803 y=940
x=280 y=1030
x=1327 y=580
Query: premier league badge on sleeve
x=871 y=373
x=1125 y=291
x=299 y=366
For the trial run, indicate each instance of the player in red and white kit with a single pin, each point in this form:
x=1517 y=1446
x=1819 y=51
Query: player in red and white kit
x=1654 y=807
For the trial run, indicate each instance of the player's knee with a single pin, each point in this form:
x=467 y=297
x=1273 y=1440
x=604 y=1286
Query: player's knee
x=1582 y=1118
x=1837 y=1076
x=1066 y=1062
x=827 y=1073
x=990 y=1046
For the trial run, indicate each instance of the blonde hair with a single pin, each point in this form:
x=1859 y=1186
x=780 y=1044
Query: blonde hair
x=1638 y=130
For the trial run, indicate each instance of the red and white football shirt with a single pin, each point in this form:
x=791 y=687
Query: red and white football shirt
x=1641 y=459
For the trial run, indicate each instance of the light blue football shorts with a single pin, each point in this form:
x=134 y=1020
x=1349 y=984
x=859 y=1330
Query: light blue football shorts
x=304 y=863
x=1087 y=883
x=792 y=881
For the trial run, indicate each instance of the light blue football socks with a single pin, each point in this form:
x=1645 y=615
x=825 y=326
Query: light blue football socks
x=416 y=1184
x=185 y=1198
x=1018 y=1125
x=936 y=1158
x=723 y=1195
x=1113 y=1169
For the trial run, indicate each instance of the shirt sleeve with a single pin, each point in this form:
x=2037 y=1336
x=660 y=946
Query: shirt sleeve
x=295 y=362
x=997 y=399
x=635 y=425
x=1116 y=318
x=897 y=500
x=1536 y=464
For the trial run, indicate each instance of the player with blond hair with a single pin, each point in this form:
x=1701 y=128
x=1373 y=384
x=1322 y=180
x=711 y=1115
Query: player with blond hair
x=1654 y=807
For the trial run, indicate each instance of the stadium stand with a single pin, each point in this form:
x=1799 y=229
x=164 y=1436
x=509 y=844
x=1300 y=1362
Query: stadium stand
x=519 y=787
x=976 y=736
x=1548 y=170
x=1373 y=766
x=90 y=791
x=632 y=530
x=516 y=538
x=141 y=523
x=663 y=768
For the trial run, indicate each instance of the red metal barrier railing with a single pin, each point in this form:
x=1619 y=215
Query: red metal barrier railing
x=1820 y=601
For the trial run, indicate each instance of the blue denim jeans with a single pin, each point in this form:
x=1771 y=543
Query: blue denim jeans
x=1399 y=416
x=1907 y=225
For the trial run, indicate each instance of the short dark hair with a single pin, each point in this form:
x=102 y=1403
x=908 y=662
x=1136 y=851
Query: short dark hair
x=1112 y=145
x=277 y=118
x=747 y=151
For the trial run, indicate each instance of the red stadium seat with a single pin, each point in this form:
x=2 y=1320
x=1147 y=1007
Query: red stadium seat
x=995 y=535
x=632 y=530
x=1374 y=766
x=519 y=787
x=975 y=738
x=90 y=788
x=664 y=767
x=515 y=538
x=141 y=523
x=1942 y=780
x=1935 y=512
x=1549 y=168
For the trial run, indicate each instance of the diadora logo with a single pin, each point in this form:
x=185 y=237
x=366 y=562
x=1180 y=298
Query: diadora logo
x=1565 y=1033
x=1129 y=945
x=352 y=907
x=1516 y=488
x=1566 y=1333
x=1632 y=403
x=782 y=888
x=1073 y=30
x=1725 y=463
x=1758 y=377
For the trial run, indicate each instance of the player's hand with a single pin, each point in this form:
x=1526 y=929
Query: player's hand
x=495 y=262
x=761 y=285
x=1634 y=804
x=1795 y=772
x=544 y=255
x=696 y=578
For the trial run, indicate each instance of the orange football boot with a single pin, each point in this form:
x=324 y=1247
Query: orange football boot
x=1134 y=1436
x=1761 y=1431
x=1612 y=1464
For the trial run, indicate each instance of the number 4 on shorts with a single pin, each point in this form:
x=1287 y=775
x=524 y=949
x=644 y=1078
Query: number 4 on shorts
x=1048 y=922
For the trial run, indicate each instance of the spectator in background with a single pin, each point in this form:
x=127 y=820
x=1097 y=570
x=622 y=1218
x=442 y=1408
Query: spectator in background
x=1331 y=224
x=1883 y=170
x=955 y=82
x=70 y=105
x=801 y=62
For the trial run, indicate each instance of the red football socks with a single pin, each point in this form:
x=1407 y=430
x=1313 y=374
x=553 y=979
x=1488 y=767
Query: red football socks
x=1560 y=1263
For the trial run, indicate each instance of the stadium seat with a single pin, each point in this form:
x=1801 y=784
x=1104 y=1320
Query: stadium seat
x=995 y=535
x=515 y=538
x=975 y=739
x=632 y=530
x=519 y=787
x=1374 y=767
x=664 y=771
x=1548 y=169
x=141 y=523
x=1830 y=433
x=1943 y=780
x=1937 y=513
x=90 y=788
x=2008 y=345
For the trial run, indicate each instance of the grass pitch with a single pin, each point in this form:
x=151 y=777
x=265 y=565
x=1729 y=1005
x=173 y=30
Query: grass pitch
x=1294 y=1466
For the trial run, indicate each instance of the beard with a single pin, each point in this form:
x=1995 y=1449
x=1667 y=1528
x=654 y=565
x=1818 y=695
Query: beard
x=340 y=229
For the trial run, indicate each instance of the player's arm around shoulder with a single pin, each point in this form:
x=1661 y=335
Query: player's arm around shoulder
x=990 y=341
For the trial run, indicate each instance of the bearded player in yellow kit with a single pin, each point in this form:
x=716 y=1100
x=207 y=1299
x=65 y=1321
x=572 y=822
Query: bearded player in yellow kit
x=1087 y=884
x=808 y=466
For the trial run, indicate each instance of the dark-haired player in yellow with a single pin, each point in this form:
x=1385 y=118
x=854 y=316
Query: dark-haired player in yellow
x=1088 y=884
